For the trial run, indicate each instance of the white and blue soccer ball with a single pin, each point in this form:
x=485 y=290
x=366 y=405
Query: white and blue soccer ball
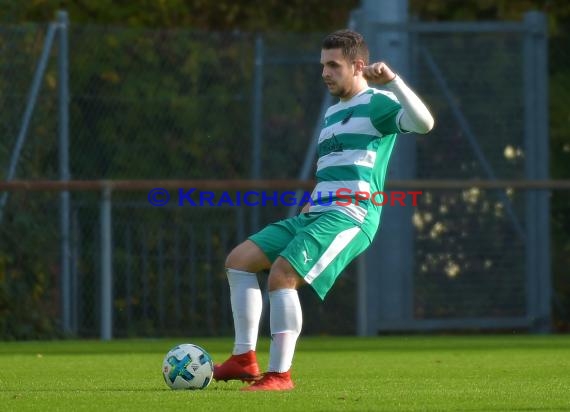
x=187 y=366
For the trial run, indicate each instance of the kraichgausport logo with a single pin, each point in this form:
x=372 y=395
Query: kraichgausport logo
x=341 y=197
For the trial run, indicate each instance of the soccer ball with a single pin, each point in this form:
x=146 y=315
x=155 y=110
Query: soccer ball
x=187 y=366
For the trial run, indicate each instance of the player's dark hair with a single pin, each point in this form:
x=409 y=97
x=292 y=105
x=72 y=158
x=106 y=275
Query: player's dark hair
x=350 y=42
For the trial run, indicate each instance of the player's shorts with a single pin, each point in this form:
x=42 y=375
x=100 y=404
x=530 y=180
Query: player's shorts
x=319 y=246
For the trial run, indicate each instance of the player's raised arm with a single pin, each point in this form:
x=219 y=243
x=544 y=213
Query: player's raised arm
x=415 y=116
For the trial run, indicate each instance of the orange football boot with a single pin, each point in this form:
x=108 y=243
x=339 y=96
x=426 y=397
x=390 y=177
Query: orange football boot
x=242 y=367
x=272 y=381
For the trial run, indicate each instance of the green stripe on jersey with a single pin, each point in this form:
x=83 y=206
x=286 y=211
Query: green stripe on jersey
x=347 y=172
x=360 y=110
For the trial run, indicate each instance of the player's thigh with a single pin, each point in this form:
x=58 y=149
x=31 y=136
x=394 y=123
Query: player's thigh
x=275 y=237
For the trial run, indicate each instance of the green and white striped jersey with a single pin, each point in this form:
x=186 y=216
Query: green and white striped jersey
x=354 y=148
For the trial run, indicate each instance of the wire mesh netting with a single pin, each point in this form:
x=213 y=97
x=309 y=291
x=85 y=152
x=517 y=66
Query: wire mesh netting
x=470 y=244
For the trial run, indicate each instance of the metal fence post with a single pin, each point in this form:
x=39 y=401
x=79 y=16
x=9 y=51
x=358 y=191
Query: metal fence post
x=390 y=258
x=257 y=121
x=106 y=265
x=538 y=273
x=543 y=172
x=64 y=175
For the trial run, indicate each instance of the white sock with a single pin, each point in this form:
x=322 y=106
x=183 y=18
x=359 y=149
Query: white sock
x=245 y=297
x=286 y=320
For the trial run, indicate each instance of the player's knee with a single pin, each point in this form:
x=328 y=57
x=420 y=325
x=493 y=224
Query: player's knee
x=283 y=276
x=238 y=259
x=278 y=280
x=247 y=257
x=233 y=259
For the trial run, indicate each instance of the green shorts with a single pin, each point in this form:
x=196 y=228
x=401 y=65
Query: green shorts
x=318 y=246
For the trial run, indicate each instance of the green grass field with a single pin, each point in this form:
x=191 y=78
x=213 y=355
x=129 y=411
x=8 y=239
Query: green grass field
x=467 y=373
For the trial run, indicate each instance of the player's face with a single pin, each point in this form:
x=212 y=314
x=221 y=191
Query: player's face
x=338 y=73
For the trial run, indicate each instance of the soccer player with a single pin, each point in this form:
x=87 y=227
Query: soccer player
x=354 y=148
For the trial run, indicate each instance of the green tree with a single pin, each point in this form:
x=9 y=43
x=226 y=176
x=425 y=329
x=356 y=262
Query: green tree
x=247 y=15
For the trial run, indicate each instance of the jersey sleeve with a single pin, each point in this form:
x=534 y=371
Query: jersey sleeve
x=384 y=113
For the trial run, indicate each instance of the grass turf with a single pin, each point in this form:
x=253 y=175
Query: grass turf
x=467 y=373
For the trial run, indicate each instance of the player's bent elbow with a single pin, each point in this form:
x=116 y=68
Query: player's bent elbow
x=428 y=126
x=425 y=126
x=422 y=128
x=421 y=124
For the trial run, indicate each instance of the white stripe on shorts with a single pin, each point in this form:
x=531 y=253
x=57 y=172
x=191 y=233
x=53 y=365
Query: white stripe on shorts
x=337 y=245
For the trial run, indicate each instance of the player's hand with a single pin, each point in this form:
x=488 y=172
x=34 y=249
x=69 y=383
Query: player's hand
x=378 y=73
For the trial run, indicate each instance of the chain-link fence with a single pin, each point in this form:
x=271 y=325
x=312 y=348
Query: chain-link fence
x=176 y=104
x=470 y=244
